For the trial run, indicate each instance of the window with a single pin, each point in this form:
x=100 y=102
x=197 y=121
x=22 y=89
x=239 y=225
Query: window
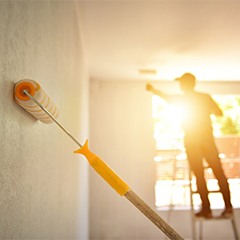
x=172 y=175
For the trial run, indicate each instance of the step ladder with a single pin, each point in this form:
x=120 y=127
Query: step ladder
x=198 y=222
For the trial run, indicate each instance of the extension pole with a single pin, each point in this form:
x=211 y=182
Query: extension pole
x=152 y=215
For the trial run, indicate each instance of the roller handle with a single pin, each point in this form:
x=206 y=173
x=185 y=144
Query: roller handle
x=152 y=216
x=104 y=170
x=123 y=189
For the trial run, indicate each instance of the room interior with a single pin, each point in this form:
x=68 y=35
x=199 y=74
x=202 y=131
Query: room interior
x=94 y=58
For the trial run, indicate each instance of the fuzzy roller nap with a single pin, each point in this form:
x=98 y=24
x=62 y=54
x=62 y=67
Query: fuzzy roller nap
x=29 y=95
x=35 y=90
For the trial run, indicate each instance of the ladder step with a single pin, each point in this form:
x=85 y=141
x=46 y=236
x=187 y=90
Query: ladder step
x=211 y=191
x=214 y=218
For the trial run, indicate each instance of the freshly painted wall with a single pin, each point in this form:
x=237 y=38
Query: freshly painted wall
x=44 y=186
x=121 y=130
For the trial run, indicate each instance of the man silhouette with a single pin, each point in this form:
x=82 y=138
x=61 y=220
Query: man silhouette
x=199 y=140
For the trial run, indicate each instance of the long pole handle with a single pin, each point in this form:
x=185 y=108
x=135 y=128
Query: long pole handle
x=123 y=189
x=152 y=216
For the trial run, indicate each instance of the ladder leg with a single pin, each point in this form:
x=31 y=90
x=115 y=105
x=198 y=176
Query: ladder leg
x=194 y=222
x=201 y=229
x=171 y=206
x=193 y=227
x=235 y=228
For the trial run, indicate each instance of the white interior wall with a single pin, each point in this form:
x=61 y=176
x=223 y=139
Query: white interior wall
x=44 y=186
x=121 y=133
x=121 y=130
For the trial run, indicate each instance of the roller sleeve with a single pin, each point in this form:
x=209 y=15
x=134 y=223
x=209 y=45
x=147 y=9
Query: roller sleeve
x=35 y=90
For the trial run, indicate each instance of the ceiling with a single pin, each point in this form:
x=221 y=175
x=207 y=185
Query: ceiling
x=168 y=36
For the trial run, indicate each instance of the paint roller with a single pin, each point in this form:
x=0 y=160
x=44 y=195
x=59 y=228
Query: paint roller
x=30 y=96
x=34 y=89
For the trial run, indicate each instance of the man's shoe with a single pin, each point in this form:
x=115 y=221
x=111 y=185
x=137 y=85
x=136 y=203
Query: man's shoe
x=204 y=213
x=227 y=213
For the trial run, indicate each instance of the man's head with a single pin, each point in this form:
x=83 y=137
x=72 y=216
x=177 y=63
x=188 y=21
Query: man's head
x=187 y=82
